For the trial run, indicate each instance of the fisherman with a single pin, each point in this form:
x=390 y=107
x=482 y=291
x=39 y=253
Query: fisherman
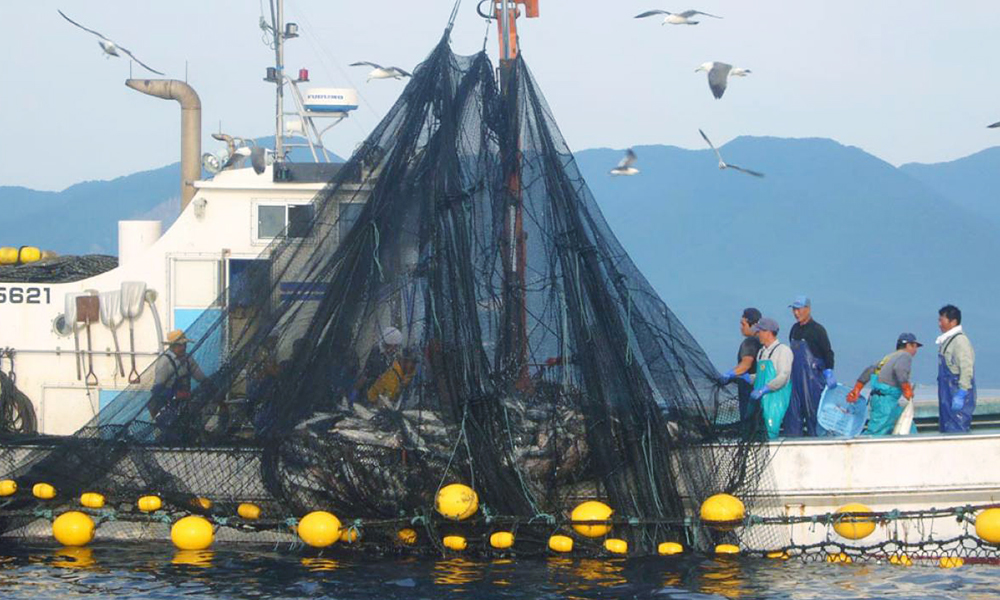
x=772 y=385
x=173 y=371
x=746 y=361
x=379 y=361
x=890 y=381
x=390 y=385
x=811 y=371
x=956 y=373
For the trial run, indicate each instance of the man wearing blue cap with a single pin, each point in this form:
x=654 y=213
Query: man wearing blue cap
x=891 y=387
x=812 y=369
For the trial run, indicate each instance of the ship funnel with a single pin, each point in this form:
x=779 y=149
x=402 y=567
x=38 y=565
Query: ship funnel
x=172 y=89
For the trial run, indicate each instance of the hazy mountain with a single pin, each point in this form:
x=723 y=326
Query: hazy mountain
x=972 y=182
x=878 y=248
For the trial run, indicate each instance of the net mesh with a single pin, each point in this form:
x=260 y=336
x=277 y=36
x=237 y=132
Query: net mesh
x=456 y=310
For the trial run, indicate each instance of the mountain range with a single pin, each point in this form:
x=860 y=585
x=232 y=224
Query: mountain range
x=878 y=248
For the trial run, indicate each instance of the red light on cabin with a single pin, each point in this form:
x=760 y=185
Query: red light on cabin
x=303 y=74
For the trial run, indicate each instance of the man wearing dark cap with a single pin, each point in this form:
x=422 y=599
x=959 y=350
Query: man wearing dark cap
x=746 y=360
x=891 y=388
x=811 y=371
x=772 y=385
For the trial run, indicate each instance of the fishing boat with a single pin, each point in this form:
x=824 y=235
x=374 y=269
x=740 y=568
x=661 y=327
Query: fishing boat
x=78 y=344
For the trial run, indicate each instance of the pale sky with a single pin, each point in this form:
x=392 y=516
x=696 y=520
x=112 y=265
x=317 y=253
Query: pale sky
x=906 y=81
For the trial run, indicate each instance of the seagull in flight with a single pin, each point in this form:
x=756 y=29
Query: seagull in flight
x=625 y=167
x=380 y=72
x=723 y=164
x=109 y=47
x=681 y=18
x=719 y=74
x=993 y=126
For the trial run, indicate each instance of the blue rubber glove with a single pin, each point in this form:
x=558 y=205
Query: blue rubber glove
x=746 y=377
x=730 y=374
x=958 y=400
x=726 y=377
x=758 y=394
x=831 y=381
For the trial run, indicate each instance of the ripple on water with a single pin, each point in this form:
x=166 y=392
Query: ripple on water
x=158 y=571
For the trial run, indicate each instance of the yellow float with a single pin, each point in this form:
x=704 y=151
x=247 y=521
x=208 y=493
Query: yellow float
x=456 y=502
x=202 y=503
x=501 y=540
x=669 y=548
x=561 y=543
x=727 y=549
x=92 y=500
x=8 y=487
x=454 y=542
x=854 y=527
x=73 y=528
x=192 y=533
x=900 y=559
x=250 y=512
x=43 y=491
x=407 y=536
x=592 y=510
x=951 y=562
x=8 y=255
x=319 y=529
x=722 y=511
x=987 y=525
x=778 y=555
x=839 y=559
x=349 y=535
x=616 y=546
x=148 y=504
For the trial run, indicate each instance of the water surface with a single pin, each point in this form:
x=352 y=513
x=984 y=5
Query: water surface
x=159 y=571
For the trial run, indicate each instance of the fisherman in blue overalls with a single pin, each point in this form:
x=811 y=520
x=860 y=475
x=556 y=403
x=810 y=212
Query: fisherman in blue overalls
x=812 y=370
x=890 y=381
x=956 y=373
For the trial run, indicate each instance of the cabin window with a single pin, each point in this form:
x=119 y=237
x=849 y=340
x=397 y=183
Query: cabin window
x=349 y=214
x=275 y=220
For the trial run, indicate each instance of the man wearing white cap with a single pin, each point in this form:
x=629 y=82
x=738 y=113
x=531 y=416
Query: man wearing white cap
x=380 y=359
x=811 y=371
x=173 y=371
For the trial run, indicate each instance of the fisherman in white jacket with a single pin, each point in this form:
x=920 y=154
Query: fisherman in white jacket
x=956 y=373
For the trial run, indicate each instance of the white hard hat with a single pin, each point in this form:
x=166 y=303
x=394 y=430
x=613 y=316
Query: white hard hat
x=392 y=336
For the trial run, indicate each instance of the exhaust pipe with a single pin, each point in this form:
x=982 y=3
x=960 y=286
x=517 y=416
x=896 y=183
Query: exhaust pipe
x=172 y=89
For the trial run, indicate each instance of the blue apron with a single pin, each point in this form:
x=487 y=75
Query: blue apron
x=953 y=421
x=885 y=408
x=807 y=387
x=774 y=403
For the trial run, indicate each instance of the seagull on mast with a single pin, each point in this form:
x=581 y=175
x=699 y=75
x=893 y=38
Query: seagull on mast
x=681 y=18
x=719 y=74
x=380 y=72
x=625 y=167
x=109 y=47
x=723 y=164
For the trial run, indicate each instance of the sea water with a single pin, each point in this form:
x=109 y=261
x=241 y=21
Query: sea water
x=158 y=571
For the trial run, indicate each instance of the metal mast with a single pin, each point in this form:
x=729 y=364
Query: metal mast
x=277 y=23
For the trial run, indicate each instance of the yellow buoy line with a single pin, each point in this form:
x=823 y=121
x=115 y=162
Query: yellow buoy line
x=589 y=520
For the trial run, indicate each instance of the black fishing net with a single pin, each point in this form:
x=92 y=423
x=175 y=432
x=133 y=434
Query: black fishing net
x=457 y=310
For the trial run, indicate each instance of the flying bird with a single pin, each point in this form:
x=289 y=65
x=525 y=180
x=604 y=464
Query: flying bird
x=681 y=18
x=719 y=74
x=109 y=47
x=625 y=167
x=380 y=72
x=723 y=164
x=993 y=126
